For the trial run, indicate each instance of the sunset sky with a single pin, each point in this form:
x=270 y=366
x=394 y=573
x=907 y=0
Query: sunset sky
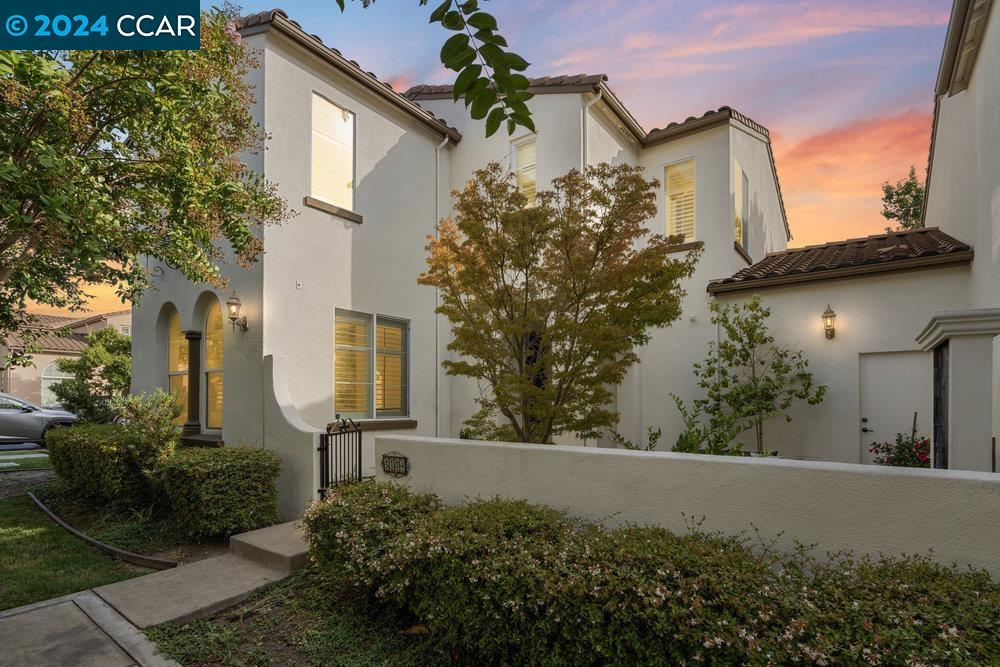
x=845 y=87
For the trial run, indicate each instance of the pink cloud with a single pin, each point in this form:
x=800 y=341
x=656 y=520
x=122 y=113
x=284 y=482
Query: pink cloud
x=756 y=26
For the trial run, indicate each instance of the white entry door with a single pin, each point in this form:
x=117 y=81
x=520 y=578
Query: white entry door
x=894 y=385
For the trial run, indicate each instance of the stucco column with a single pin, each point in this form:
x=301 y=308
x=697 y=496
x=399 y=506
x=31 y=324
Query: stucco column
x=969 y=334
x=193 y=424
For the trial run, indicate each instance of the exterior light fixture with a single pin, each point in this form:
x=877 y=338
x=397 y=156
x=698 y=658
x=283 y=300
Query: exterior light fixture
x=233 y=306
x=828 y=317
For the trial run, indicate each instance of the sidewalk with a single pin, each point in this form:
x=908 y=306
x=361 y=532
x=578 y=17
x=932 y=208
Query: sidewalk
x=76 y=629
x=101 y=626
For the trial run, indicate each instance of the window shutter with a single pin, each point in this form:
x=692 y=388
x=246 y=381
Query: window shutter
x=680 y=199
x=527 y=170
x=332 y=153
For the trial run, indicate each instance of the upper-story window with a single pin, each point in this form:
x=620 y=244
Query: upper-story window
x=527 y=170
x=332 y=153
x=679 y=179
x=741 y=206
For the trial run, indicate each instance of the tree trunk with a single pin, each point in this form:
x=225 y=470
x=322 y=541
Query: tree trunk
x=760 y=437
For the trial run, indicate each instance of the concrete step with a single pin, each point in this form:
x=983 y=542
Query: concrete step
x=188 y=592
x=282 y=547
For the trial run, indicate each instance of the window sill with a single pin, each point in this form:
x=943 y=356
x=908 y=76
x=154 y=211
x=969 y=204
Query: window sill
x=685 y=247
x=742 y=253
x=312 y=202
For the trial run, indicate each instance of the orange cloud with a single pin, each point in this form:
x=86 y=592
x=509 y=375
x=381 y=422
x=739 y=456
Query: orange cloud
x=832 y=181
x=401 y=82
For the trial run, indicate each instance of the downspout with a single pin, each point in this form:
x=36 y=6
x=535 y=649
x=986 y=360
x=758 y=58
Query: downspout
x=437 y=346
x=583 y=165
x=583 y=129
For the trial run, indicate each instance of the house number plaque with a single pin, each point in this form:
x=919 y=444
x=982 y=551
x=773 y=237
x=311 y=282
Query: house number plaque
x=395 y=464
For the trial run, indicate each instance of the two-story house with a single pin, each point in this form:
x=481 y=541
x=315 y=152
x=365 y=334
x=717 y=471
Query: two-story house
x=335 y=323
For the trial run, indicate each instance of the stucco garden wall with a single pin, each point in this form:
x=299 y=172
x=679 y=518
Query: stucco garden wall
x=865 y=509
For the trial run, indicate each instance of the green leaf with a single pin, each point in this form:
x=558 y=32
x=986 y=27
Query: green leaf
x=438 y=13
x=340 y=3
x=466 y=79
x=489 y=37
x=519 y=82
x=461 y=60
x=516 y=62
x=469 y=7
x=493 y=55
x=496 y=117
x=483 y=21
x=524 y=121
x=453 y=21
x=511 y=126
x=455 y=45
x=482 y=102
x=481 y=84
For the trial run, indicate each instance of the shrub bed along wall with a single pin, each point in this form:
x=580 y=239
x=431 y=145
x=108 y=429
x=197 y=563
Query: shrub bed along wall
x=108 y=463
x=504 y=581
x=214 y=493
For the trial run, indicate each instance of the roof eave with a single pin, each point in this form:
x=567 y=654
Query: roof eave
x=929 y=261
x=343 y=66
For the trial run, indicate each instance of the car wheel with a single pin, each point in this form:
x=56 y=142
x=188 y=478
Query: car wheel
x=45 y=432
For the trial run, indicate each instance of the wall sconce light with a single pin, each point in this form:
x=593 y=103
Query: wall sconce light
x=233 y=306
x=828 y=317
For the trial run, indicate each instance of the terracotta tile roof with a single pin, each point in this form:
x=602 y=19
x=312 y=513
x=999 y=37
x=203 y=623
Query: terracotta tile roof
x=258 y=22
x=553 y=84
x=871 y=254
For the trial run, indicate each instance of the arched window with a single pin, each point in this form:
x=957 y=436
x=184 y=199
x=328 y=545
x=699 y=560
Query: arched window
x=213 y=367
x=50 y=376
x=177 y=366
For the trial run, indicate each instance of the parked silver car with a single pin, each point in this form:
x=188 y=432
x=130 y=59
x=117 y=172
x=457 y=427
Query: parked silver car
x=21 y=421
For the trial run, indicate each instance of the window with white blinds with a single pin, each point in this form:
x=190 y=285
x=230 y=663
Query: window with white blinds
x=680 y=195
x=527 y=170
x=332 y=153
x=370 y=366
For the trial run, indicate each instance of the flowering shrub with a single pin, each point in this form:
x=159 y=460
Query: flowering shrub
x=903 y=452
x=507 y=582
x=351 y=527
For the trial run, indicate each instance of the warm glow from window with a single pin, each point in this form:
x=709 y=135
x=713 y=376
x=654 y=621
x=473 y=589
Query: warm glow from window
x=177 y=366
x=390 y=368
x=213 y=367
x=741 y=205
x=680 y=197
x=332 y=153
x=527 y=170
x=352 y=364
x=360 y=357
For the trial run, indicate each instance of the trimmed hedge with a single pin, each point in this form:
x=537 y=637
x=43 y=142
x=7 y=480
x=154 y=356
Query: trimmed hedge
x=217 y=492
x=508 y=582
x=108 y=463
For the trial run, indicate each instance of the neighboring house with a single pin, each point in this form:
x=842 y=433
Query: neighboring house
x=56 y=338
x=336 y=324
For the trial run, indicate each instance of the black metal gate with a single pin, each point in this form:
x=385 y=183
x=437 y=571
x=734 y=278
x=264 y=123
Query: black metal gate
x=339 y=454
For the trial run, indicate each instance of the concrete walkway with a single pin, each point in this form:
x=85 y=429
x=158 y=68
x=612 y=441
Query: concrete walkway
x=101 y=626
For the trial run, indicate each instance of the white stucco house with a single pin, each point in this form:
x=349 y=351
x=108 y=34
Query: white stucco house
x=336 y=324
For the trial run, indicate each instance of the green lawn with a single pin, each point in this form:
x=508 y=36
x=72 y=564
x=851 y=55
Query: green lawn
x=40 y=463
x=298 y=620
x=39 y=560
